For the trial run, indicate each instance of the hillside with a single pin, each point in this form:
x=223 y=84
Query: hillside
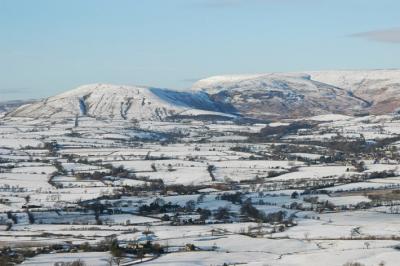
x=379 y=87
x=259 y=96
x=122 y=102
x=280 y=95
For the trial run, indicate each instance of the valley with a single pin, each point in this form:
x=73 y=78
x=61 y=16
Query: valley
x=196 y=191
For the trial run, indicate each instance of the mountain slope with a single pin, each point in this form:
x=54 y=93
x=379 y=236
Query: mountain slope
x=121 y=102
x=9 y=106
x=380 y=87
x=280 y=95
x=260 y=96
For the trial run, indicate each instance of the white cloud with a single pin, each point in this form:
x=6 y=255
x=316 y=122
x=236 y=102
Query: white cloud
x=386 y=35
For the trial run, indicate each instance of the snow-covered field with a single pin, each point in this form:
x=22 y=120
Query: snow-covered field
x=202 y=192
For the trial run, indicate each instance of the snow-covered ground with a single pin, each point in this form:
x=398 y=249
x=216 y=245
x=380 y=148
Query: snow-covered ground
x=334 y=206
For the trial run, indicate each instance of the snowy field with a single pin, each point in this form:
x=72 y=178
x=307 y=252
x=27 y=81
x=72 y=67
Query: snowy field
x=196 y=192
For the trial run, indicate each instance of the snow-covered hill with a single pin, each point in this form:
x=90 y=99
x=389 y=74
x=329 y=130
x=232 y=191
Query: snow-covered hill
x=380 y=87
x=280 y=95
x=261 y=96
x=122 y=102
x=9 y=106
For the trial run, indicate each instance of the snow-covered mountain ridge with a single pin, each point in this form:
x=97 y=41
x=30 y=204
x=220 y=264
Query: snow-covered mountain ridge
x=261 y=96
x=122 y=102
x=379 y=87
x=281 y=95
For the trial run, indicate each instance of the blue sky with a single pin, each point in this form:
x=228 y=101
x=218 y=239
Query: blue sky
x=49 y=46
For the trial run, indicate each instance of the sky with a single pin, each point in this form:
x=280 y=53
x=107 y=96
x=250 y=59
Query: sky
x=50 y=46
